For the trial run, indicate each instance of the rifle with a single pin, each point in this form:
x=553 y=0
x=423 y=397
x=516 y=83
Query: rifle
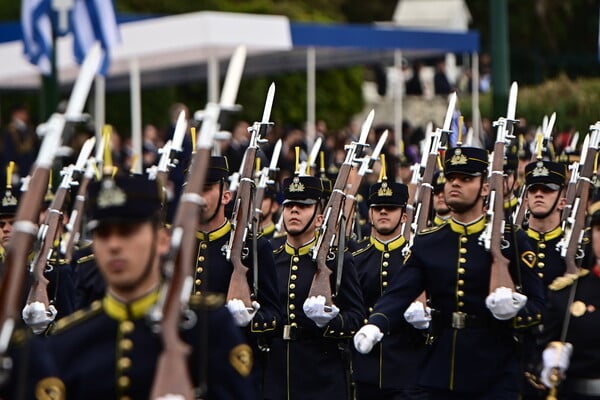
x=573 y=180
x=266 y=177
x=365 y=168
x=329 y=233
x=493 y=235
x=242 y=211
x=574 y=225
x=172 y=376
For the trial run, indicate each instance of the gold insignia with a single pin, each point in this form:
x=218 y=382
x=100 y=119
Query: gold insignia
x=458 y=158
x=9 y=199
x=441 y=179
x=241 y=359
x=562 y=282
x=540 y=170
x=529 y=258
x=296 y=185
x=385 y=190
x=578 y=308
x=50 y=389
x=407 y=255
x=111 y=195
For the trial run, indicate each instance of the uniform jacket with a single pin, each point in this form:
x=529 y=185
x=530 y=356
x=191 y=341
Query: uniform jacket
x=550 y=264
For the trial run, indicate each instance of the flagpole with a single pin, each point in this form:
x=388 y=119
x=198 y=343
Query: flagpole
x=50 y=82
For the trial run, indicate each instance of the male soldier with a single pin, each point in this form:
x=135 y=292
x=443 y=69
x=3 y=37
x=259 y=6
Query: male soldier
x=269 y=208
x=109 y=350
x=213 y=271
x=308 y=356
x=473 y=351
x=545 y=185
x=390 y=370
x=440 y=208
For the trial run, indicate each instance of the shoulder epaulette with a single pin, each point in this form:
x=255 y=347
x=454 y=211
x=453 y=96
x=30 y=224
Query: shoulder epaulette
x=366 y=246
x=432 y=229
x=567 y=280
x=278 y=235
x=85 y=259
x=209 y=301
x=76 y=318
x=279 y=249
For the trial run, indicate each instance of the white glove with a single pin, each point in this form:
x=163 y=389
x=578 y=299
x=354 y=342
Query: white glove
x=367 y=337
x=417 y=315
x=314 y=308
x=556 y=355
x=240 y=313
x=37 y=317
x=504 y=303
x=171 y=397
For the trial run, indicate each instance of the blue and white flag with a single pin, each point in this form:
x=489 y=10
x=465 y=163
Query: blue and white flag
x=36 y=24
x=94 y=20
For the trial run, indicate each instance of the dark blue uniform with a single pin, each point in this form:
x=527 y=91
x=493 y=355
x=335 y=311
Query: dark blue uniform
x=550 y=264
x=305 y=361
x=472 y=354
x=392 y=366
x=109 y=351
x=88 y=281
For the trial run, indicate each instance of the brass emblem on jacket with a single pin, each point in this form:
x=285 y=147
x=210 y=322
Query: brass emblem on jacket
x=241 y=359
x=578 y=308
x=528 y=258
x=296 y=185
x=50 y=389
x=458 y=158
x=540 y=170
x=111 y=195
x=385 y=190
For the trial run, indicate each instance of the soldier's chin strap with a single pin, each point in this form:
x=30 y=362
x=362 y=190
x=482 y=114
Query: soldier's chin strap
x=469 y=206
x=221 y=188
x=149 y=266
x=551 y=209
x=307 y=224
x=394 y=228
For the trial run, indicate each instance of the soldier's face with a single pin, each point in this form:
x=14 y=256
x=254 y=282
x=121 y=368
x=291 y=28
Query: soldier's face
x=6 y=225
x=439 y=203
x=213 y=197
x=541 y=199
x=296 y=216
x=127 y=256
x=386 y=219
x=462 y=191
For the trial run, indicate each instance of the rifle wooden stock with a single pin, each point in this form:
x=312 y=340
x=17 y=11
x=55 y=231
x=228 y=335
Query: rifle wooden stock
x=76 y=217
x=571 y=191
x=39 y=286
x=520 y=212
x=172 y=375
x=499 y=274
x=321 y=285
x=350 y=202
x=24 y=232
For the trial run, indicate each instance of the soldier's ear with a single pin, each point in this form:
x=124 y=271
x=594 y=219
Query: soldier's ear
x=562 y=202
x=485 y=189
x=319 y=220
x=226 y=198
x=164 y=241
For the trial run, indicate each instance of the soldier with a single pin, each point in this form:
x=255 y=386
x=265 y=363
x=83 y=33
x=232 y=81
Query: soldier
x=440 y=208
x=269 y=209
x=473 y=353
x=213 y=271
x=308 y=356
x=109 y=350
x=545 y=186
x=390 y=370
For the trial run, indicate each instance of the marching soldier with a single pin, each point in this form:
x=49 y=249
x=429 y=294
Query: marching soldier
x=308 y=356
x=109 y=350
x=270 y=208
x=473 y=353
x=390 y=370
x=213 y=271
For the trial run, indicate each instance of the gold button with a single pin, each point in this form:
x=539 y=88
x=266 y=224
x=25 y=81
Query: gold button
x=370 y=309
x=125 y=398
x=464 y=239
x=461 y=270
x=541 y=255
x=293 y=277
x=198 y=292
x=462 y=260
x=126 y=344
x=385 y=264
x=294 y=325
x=541 y=275
x=292 y=296
x=201 y=258
x=460 y=282
x=292 y=286
x=199 y=270
x=383 y=273
x=292 y=307
x=256 y=324
x=519 y=318
x=384 y=284
x=124 y=381
x=265 y=325
x=386 y=255
x=126 y=327
x=461 y=304
x=292 y=316
x=541 y=264
x=294 y=268
x=463 y=250
x=460 y=293
x=198 y=282
x=295 y=259
x=203 y=245
x=542 y=245
x=124 y=363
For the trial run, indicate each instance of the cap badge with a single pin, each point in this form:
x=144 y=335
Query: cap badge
x=111 y=195
x=9 y=199
x=458 y=158
x=296 y=185
x=540 y=170
x=385 y=190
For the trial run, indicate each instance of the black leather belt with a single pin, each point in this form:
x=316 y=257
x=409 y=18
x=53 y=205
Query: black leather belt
x=461 y=320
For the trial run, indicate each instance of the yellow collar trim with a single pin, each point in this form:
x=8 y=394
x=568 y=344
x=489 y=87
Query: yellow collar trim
x=302 y=251
x=553 y=234
x=511 y=203
x=267 y=230
x=468 y=229
x=216 y=234
x=120 y=311
x=437 y=220
x=389 y=246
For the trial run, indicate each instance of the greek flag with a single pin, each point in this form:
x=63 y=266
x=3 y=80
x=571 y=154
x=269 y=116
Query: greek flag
x=37 y=33
x=93 y=20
